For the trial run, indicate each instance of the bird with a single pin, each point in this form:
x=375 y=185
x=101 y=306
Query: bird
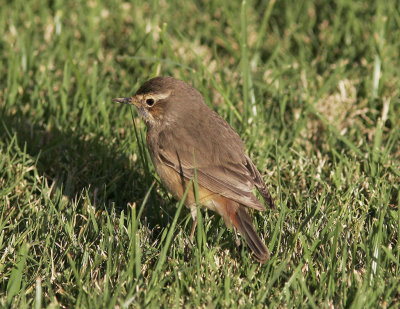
x=185 y=137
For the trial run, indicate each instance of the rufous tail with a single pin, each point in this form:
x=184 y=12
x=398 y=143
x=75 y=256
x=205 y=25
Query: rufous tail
x=245 y=226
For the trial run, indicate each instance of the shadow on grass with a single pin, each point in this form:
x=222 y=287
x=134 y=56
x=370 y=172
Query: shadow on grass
x=75 y=162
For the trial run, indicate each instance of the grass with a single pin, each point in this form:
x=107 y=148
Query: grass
x=313 y=89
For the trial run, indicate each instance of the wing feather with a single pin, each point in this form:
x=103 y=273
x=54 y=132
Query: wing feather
x=225 y=170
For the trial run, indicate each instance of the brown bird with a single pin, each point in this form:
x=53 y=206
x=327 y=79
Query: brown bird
x=183 y=136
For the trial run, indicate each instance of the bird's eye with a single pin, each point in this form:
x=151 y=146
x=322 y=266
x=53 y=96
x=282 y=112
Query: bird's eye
x=150 y=102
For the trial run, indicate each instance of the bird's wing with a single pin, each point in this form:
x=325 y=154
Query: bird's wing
x=215 y=151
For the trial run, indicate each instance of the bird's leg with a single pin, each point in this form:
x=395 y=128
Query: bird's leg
x=237 y=240
x=193 y=212
x=192 y=230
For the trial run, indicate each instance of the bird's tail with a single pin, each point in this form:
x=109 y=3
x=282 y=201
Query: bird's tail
x=244 y=224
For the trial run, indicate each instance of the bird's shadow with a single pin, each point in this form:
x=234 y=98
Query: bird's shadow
x=74 y=162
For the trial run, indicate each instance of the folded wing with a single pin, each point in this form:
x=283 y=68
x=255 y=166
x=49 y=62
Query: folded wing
x=225 y=170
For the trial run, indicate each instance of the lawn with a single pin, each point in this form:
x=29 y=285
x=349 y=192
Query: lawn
x=312 y=87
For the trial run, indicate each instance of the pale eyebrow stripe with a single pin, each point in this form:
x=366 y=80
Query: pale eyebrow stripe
x=160 y=96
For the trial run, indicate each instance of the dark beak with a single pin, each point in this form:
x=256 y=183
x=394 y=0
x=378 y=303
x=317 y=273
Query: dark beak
x=123 y=100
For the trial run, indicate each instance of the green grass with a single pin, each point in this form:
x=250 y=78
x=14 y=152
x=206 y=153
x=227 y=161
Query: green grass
x=311 y=86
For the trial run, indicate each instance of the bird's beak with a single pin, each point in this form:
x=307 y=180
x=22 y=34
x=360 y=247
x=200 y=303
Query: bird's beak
x=128 y=101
